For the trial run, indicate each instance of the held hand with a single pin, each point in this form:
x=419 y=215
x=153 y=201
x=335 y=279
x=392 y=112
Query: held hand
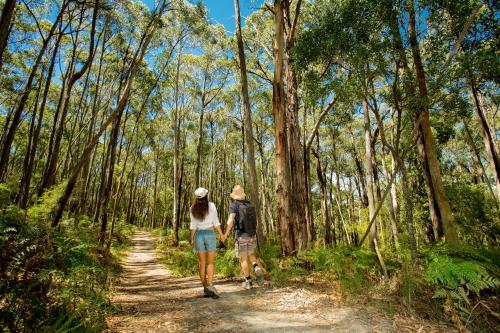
x=223 y=238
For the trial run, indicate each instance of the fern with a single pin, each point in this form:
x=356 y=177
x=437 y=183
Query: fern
x=455 y=279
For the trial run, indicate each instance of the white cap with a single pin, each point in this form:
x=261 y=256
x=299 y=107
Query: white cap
x=200 y=192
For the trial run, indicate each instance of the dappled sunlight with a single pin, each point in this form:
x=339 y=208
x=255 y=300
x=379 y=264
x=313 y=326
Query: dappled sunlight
x=153 y=299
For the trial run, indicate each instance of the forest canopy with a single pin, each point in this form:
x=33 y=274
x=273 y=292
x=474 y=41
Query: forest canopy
x=350 y=124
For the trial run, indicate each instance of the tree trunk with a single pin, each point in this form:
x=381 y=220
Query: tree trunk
x=486 y=135
x=16 y=119
x=311 y=234
x=50 y=171
x=175 y=212
x=5 y=21
x=113 y=140
x=325 y=214
x=137 y=59
x=369 y=173
x=426 y=143
x=296 y=152
x=199 y=145
x=287 y=229
x=361 y=175
x=338 y=192
x=369 y=186
x=402 y=66
x=103 y=179
x=247 y=120
x=390 y=200
x=22 y=195
x=119 y=188
x=477 y=155
x=85 y=181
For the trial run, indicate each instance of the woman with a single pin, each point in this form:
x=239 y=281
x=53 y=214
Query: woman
x=204 y=221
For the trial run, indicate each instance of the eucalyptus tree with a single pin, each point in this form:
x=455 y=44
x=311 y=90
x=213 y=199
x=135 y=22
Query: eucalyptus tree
x=247 y=116
x=150 y=28
x=27 y=89
x=69 y=82
x=5 y=26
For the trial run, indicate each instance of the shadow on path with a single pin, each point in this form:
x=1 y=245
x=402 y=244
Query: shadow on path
x=152 y=299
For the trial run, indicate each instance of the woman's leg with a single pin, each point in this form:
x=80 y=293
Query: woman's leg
x=210 y=267
x=202 y=264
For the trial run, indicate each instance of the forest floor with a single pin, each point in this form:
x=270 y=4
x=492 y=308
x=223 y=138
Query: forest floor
x=152 y=299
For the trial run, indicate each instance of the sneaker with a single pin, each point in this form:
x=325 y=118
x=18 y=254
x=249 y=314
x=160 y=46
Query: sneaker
x=213 y=292
x=259 y=275
x=207 y=292
x=247 y=284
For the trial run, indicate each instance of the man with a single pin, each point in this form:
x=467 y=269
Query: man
x=242 y=214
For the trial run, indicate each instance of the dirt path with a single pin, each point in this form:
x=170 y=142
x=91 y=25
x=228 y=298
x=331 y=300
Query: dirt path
x=153 y=300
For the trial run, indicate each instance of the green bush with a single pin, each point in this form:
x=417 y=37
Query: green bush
x=352 y=267
x=52 y=281
x=475 y=211
x=183 y=261
x=459 y=273
x=42 y=210
x=7 y=192
x=166 y=236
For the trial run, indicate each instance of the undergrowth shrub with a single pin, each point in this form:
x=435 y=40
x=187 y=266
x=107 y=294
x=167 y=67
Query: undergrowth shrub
x=52 y=280
x=166 y=236
x=7 y=193
x=459 y=276
x=183 y=261
x=227 y=263
x=351 y=267
x=180 y=260
x=475 y=210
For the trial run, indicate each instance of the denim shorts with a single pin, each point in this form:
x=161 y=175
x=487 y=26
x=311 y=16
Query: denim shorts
x=204 y=241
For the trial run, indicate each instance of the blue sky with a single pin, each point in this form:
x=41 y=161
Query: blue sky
x=222 y=11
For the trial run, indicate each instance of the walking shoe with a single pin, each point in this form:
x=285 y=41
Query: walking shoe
x=259 y=275
x=207 y=292
x=247 y=284
x=213 y=292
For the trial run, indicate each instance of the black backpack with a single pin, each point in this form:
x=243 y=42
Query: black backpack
x=247 y=221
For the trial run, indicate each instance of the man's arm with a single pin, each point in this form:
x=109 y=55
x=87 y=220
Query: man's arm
x=230 y=222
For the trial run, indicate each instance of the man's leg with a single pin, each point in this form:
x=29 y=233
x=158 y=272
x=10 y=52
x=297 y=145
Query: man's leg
x=244 y=265
x=259 y=275
x=253 y=260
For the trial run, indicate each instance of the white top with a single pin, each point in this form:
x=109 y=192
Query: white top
x=211 y=219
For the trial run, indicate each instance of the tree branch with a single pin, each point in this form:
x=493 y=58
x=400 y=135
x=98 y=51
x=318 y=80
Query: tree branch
x=295 y=19
x=318 y=122
x=458 y=43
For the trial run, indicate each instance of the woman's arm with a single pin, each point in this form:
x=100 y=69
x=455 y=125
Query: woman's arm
x=193 y=231
x=215 y=221
x=219 y=230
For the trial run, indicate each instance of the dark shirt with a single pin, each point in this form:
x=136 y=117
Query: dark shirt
x=234 y=208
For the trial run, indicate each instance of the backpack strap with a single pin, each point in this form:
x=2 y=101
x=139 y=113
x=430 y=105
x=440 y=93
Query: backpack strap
x=238 y=204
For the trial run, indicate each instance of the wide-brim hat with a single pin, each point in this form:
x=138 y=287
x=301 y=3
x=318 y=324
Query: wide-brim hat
x=238 y=193
x=200 y=192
